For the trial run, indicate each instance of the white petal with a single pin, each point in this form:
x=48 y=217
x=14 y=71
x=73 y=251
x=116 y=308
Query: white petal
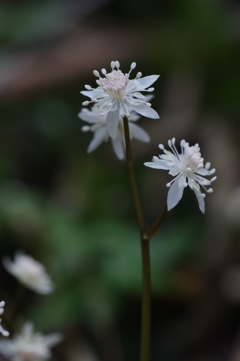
x=112 y=122
x=93 y=93
x=52 y=339
x=146 y=81
x=200 y=199
x=118 y=146
x=158 y=164
x=175 y=194
x=138 y=133
x=91 y=117
x=145 y=110
x=98 y=138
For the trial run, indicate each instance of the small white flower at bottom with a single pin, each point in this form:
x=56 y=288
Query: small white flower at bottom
x=98 y=125
x=187 y=168
x=29 y=272
x=117 y=95
x=2 y=331
x=29 y=346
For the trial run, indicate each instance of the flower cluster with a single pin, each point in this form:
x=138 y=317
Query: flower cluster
x=29 y=346
x=117 y=96
x=187 y=168
x=2 y=331
x=29 y=272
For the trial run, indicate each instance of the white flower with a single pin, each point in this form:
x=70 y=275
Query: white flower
x=28 y=346
x=116 y=95
x=99 y=128
x=188 y=170
x=2 y=331
x=29 y=272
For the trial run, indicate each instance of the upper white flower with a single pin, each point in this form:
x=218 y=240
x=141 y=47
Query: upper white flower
x=117 y=95
x=29 y=272
x=28 y=346
x=99 y=128
x=188 y=170
x=2 y=331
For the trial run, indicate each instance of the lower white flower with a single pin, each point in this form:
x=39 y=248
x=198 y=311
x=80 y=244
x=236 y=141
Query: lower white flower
x=2 y=331
x=29 y=272
x=188 y=170
x=29 y=346
x=98 y=125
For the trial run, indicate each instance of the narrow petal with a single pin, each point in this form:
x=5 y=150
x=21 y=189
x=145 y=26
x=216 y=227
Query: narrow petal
x=158 y=164
x=200 y=199
x=91 y=117
x=112 y=123
x=146 y=81
x=175 y=194
x=145 y=110
x=93 y=93
x=98 y=138
x=138 y=133
x=118 y=146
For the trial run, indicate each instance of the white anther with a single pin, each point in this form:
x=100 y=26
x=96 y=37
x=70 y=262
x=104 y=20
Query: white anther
x=150 y=90
x=113 y=64
x=169 y=143
x=155 y=158
x=210 y=190
x=139 y=74
x=117 y=64
x=98 y=82
x=161 y=146
x=85 y=103
x=173 y=141
x=85 y=128
x=213 y=179
x=96 y=73
x=212 y=171
x=168 y=185
x=133 y=65
x=88 y=87
x=182 y=143
x=149 y=104
x=203 y=195
x=104 y=71
x=208 y=165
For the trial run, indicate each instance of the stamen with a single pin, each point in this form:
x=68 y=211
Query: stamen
x=150 y=90
x=88 y=87
x=96 y=73
x=139 y=74
x=213 y=179
x=210 y=190
x=113 y=64
x=104 y=71
x=85 y=128
x=161 y=146
x=85 y=103
x=208 y=165
x=117 y=64
x=155 y=158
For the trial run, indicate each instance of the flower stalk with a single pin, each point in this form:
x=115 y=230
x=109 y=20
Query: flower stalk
x=146 y=269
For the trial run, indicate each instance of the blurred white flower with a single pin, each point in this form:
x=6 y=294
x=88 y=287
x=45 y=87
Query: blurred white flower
x=116 y=95
x=28 y=346
x=2 y=331
x=29 y=272
x=188 y=170
x=98 y=125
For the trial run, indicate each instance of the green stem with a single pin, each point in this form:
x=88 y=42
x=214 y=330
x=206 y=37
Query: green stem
x=146 y=277
x=155 y=228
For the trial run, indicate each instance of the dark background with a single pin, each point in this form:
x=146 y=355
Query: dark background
x=73 y=211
